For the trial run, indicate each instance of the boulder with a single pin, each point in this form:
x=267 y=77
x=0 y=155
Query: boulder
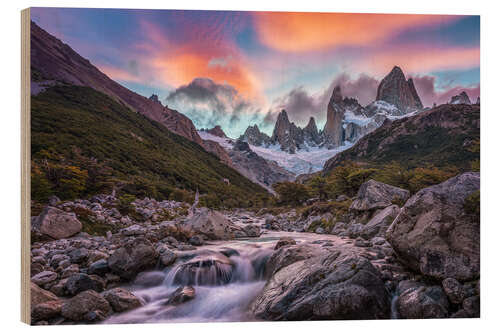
x=39 y=295
x=100 y=267
x=44 y=277
x=196 y=240
x=376 y=195
x=433 y=234
x=287 y=255
x=284 y=241
x=78 y=256
x=133 y=258
x=150 y=279
x=472 y=306
x=122 y=300
x=47 y=310
x=79 y=282
x=212 y=224
x=378 y=225
x=252 y=230
x=168 y=257
x=181 y=295
x=454 y=290
x=58 y=224
x=336 y=285
x=422 y=302
x=87 y=305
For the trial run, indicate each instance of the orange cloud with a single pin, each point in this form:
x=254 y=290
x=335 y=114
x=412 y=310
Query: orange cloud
x=299 y=32
x=182 y=67
x=420 y=58
x=201 y=54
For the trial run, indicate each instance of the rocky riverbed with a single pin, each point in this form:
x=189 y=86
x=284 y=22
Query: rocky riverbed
x=391 y=255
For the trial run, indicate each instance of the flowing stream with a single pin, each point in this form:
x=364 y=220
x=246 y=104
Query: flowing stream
x=226 y=276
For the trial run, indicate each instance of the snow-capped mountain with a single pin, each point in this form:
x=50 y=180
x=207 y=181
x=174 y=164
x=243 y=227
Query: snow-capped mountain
x=346 y=120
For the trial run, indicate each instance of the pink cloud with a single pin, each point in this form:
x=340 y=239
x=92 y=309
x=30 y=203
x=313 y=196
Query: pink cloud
x=426 y=88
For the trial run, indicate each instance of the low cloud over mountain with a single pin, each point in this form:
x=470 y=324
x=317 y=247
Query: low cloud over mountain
x=208 y=103
x=426 y=87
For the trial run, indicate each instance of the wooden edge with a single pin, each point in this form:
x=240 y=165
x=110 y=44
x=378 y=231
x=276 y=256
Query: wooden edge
x=25 y=166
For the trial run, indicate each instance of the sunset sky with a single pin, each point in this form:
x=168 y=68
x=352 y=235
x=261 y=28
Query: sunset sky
x=239 y=68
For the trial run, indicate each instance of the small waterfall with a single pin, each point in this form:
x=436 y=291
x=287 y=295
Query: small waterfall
x=225 y=278
x=201 y=271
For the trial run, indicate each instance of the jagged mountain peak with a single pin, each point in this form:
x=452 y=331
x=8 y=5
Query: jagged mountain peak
x=311 y=123
x=396 y=90
x=336 y=95
x=461 y=98
x=154 y=98
x=397 y=71
x=217 y=131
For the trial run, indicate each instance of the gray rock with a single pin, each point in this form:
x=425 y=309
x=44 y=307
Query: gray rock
x=57 y=223
x=196 y=240
x=252 y=230
x=378 y=225
x=422 y=302
x=53 y=200
x=150 y=279
x=337 y=285
x=434 y=235
x=472 y=306
x=133 y=258
x=44 y=277
x=39 y=295
x=78 y=256
x=212 y=224
x=100 y=267
x=284 y=241
x=168 y=257
x=87 y=305
x=181 y=295
x=79 y=282
x=287 y=255
x=122 y=300
x=320 y=230
x=134 y=230
x=359 y=242
x=454 y=290
x=47 y=310
x=376 y=195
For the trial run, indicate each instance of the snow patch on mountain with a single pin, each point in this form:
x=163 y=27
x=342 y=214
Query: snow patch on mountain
x=307 y=160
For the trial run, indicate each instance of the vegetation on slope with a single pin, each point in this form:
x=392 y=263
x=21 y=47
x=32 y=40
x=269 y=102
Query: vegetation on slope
x=446 y=136
x=83 y=143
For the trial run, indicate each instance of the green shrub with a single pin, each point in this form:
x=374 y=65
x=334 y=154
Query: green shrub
x=125 y=203
x=291 y=193
x=472 y=204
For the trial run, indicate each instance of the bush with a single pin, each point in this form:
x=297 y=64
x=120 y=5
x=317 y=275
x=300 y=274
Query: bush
x=347 y=178
x=125 y=203
x=472 y=204
x=424 y=177
x=181 y=195
x=291 y=193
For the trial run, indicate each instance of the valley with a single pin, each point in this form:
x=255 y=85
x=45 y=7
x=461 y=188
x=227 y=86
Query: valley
x=137 y=216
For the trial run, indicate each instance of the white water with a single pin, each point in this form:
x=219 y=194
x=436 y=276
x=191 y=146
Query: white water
x=222 y=293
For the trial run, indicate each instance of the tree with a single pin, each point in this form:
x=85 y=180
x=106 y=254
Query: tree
x=291 y=193
x=319 y=186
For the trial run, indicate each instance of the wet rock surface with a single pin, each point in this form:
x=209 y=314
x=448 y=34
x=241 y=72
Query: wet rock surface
x=163 y=264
